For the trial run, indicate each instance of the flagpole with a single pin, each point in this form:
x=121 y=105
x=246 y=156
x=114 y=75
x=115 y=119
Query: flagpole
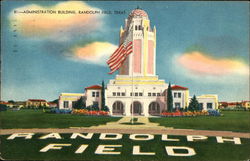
x=132 y=83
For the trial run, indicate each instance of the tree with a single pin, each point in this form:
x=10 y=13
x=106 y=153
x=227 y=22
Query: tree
x=103 y=103
x=55 y=101
x=3 y=107
x=80 y=103
x=169 y=98
x=11 y=101
x=194 y=104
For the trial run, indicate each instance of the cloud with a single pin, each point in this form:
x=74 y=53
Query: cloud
x=95 y=52
x=201 y=64
x=55 y=25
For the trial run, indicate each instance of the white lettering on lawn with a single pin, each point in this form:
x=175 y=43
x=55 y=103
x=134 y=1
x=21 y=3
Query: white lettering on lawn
x=25 y=135
x=141 y=137
x=236 y=140
x=196 y=137
x=107 y=149
x=110 y=136
x=81 y=148
x=75 y=135
x=53 y=146
x=170 y=151
x=164 y=137
x=51 y=135
x=136 y=151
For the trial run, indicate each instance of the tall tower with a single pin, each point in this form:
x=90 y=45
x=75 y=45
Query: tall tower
x=136 y=90
x=141 y=62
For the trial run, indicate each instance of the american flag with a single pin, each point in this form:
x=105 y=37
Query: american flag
x=119 y=56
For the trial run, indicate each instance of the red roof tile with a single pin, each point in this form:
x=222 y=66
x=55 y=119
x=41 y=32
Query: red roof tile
x=233 y=103
x=52 y=103
x=94 y=87
x=4 y=103
x=176 y=87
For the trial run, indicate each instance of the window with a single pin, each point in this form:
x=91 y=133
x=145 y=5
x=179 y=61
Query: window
x=154 y=94
x=175 y=95
x=118 y=94
x=97 y=94
x=131 y=94
x=140 y=94
x=177 y=105
x=209 y=105
x=66 y=104
x=158 y=94
x=95 y=104
x=136 y=94
x=140 y=28
x=154 y=108
x=114 y=94
x=93 y=94
x=123 y=93
x=74 y=104
x=179 y=95
x=135 y=27
x=117 y=108
x=149 y=94
x=201 y=105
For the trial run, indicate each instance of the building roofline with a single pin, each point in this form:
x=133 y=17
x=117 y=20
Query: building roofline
x=94 y=87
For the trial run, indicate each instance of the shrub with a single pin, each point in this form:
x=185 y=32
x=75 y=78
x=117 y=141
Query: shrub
x=59 y=111
x=105 y=108
x=214 y=113
x=188 y=113
x=90 y=113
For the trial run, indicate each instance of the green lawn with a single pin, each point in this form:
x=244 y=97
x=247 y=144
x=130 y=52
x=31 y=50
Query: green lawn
x=38 y=119
x=208 y=150
x=238 y=121
x=230 y=121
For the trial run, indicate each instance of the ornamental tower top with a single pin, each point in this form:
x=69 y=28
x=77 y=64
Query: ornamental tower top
x=141 y=62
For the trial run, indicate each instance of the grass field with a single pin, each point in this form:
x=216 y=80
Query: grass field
x=230 y=121
x=238 y=121
x=38 y=119
x=207 y=150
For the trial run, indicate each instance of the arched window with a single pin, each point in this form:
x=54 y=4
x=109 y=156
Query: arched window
x=136 y=108
x=117 y=108
x=154 y=108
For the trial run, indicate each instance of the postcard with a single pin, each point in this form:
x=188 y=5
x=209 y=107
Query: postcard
x=124 y=80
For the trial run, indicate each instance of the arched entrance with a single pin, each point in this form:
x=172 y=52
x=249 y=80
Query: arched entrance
x=136 y=108
x=154 y=108
x=117 y=108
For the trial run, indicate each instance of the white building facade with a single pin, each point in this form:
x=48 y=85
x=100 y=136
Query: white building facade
x=137 y=89
x=67 y=100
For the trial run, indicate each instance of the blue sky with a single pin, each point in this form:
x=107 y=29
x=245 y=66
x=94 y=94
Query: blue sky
x=41 y=60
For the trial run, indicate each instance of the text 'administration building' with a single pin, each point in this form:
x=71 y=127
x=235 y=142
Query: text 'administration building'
x=137 y=89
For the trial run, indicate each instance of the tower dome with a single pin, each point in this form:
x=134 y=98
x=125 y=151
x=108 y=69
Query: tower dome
x=138 y=13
